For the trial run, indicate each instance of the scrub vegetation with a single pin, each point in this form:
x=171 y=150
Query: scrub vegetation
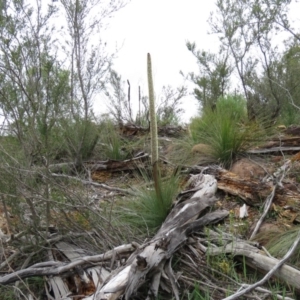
x=97 y=182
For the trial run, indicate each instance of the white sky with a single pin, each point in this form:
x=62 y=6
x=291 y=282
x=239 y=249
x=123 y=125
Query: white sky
x=160 y=27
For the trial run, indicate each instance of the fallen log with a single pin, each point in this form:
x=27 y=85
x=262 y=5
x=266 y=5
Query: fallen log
x=130 y=130
x=254 y=192
x=110 y=165
x=149 y=261
x=118 y=165
x=255 y=258
x=273 y=150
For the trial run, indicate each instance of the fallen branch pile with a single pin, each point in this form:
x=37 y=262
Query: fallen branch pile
x=149 y=264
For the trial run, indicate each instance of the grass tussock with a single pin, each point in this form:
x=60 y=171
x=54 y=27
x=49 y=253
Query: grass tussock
x=148 y=210
x=226 y=130
x=279 y=244
x=111 y=145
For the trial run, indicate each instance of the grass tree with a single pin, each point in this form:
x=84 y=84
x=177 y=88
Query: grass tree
x=225 y=130
x=152 y=206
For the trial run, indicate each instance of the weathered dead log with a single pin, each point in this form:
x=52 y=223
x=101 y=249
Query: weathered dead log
x=274 y=150
x=254 y=192
x=256 y=259
x=151 y=258
x=106 y=165
x=282 y=141
x=171 y=131
x=117 y=165
x=130 y=130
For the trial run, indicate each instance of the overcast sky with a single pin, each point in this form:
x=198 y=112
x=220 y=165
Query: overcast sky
x=160 y=27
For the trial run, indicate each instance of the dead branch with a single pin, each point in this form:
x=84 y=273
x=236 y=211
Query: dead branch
x=278 y=176
x=274 y=150
x=96 y=184
x=254 y=258
x=51 y=268
x=267 y=206
x=149 y=261
x=278 y=268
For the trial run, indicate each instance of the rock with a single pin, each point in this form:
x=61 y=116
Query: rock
x=247 y=169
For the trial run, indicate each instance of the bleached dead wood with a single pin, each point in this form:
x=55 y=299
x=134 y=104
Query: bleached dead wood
x=151 y=258
x=277 y=177
x=57 y=268
x=255 y=258
x=267 y=206
x=277 y=268
x=56 y=285
x=274 y=150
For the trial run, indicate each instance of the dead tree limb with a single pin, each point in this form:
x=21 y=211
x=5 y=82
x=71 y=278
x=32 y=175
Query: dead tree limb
x=255 y=259
x=149 y=261
x=283 y=271
x=51 y=268
x=96 y=184
x=274 y=150
x=252 y=191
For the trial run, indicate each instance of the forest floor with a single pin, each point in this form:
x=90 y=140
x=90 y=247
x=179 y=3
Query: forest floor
x=254 y=169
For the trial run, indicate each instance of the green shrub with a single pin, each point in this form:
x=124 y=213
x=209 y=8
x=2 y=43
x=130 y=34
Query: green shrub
x=225 y=129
